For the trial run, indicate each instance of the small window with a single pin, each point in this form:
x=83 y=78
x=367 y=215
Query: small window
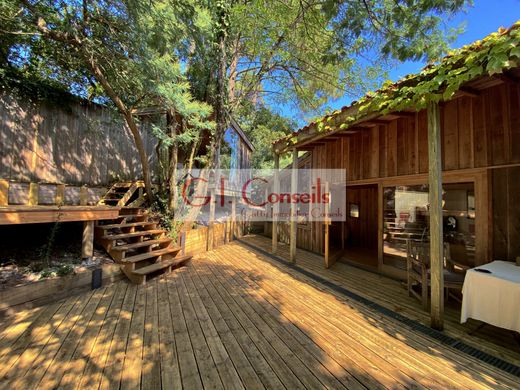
x=354 y=210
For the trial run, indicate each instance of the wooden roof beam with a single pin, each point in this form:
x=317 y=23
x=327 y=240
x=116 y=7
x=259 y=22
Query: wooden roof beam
x=467 y=91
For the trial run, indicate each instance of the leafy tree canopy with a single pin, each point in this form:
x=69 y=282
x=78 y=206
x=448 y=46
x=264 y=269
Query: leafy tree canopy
x=307 y=52
x=136 y=44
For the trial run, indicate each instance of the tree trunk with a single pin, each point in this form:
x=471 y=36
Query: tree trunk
x=97 y=71
x=220 y=113
x=174 y=158
x=194 y=147
x=142 y=154
x=220 y=103
x=233 y=71
x=98 y=74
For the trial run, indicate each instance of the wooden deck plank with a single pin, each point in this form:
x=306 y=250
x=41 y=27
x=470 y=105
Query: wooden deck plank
x=371 y=340
x=151 y=372
x=235 y=318
x=373 y=375
x=113 y=368
x=46 y=214
x=188 y=364
x=32 y=376
x=208 y=368
x=11 y=351
x=277 y=363
x=272 y=313
x=392 y=295
x=15 y=325
x=132 y=366
x=262 y=368
x=59 y=364
x=37 y=341
x=321 y=376
x=93 y=371
x=420 y=340
x=224 y=364
x=170 y=370
x=85 y=345
x=244 y=368
x=293 y=335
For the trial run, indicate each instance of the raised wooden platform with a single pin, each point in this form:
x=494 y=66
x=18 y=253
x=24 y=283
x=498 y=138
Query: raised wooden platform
x=232 y=318
x=47 y=214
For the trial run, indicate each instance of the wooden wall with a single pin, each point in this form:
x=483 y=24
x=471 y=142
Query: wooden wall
x=506 y=213
x=477 y=132
x=74 y=143
x=362 y=231
x=479 y=135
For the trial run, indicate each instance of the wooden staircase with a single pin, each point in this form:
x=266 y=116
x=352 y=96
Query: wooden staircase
x=137 y=244
x=129 y=193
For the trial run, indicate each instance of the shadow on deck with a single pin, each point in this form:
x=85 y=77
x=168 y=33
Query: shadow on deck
x=232 y=318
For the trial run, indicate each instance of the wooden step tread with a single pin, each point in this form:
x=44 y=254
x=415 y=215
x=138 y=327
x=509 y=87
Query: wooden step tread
x=161 y=265
x=125 y=225
x=149 y=255
x=134 y=234
x=142 y=244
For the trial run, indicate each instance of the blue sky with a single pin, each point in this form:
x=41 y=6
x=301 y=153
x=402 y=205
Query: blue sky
x=483 y=18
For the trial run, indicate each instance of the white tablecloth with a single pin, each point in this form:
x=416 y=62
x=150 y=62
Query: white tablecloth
x=493 y=298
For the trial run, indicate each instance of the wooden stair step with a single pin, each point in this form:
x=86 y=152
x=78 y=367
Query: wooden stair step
x=125 y=225
x=161 y=265
x=134 y=234
x=149 y=255
x=143 y=244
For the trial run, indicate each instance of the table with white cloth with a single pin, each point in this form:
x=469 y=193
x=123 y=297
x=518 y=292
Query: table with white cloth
x=493 y=297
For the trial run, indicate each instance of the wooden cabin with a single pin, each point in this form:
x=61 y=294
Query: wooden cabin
x=385 y=155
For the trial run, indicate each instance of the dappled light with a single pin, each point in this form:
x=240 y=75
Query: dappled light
x=231 y=318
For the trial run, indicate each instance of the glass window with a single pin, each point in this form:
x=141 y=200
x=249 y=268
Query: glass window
x=406 y=217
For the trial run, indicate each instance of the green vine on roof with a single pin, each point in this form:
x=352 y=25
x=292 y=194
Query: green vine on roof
x=492 y=55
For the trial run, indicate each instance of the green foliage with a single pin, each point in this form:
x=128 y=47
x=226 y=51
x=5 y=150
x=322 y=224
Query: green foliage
x=310 y=52
x=262 y=127
x=46 y=273
x=138 y=45
x=160 y=210
x=436 y=82
x=64 y=270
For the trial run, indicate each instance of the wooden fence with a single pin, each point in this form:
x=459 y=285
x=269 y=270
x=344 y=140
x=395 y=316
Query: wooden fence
x=74 y=143
x=32 y=194
x=204 y=238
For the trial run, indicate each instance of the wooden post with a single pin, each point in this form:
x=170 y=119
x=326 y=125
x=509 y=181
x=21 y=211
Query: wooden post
x=33 y=194
x=83 y=195
x=211 y=221
x=326 y=224
x=276 y=206
x=4 y=192
x=380 y=227
x=342 y=235
x=233 y=217
x=60 y=194
x=436 y=234
x=87 y=246
x=267 y=206
x=293 y=218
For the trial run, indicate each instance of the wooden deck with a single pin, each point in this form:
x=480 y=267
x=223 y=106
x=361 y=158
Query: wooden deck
x=232 y=318
x=46 y=214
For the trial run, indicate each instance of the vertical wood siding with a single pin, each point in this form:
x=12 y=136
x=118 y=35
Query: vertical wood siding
x=74 y=143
